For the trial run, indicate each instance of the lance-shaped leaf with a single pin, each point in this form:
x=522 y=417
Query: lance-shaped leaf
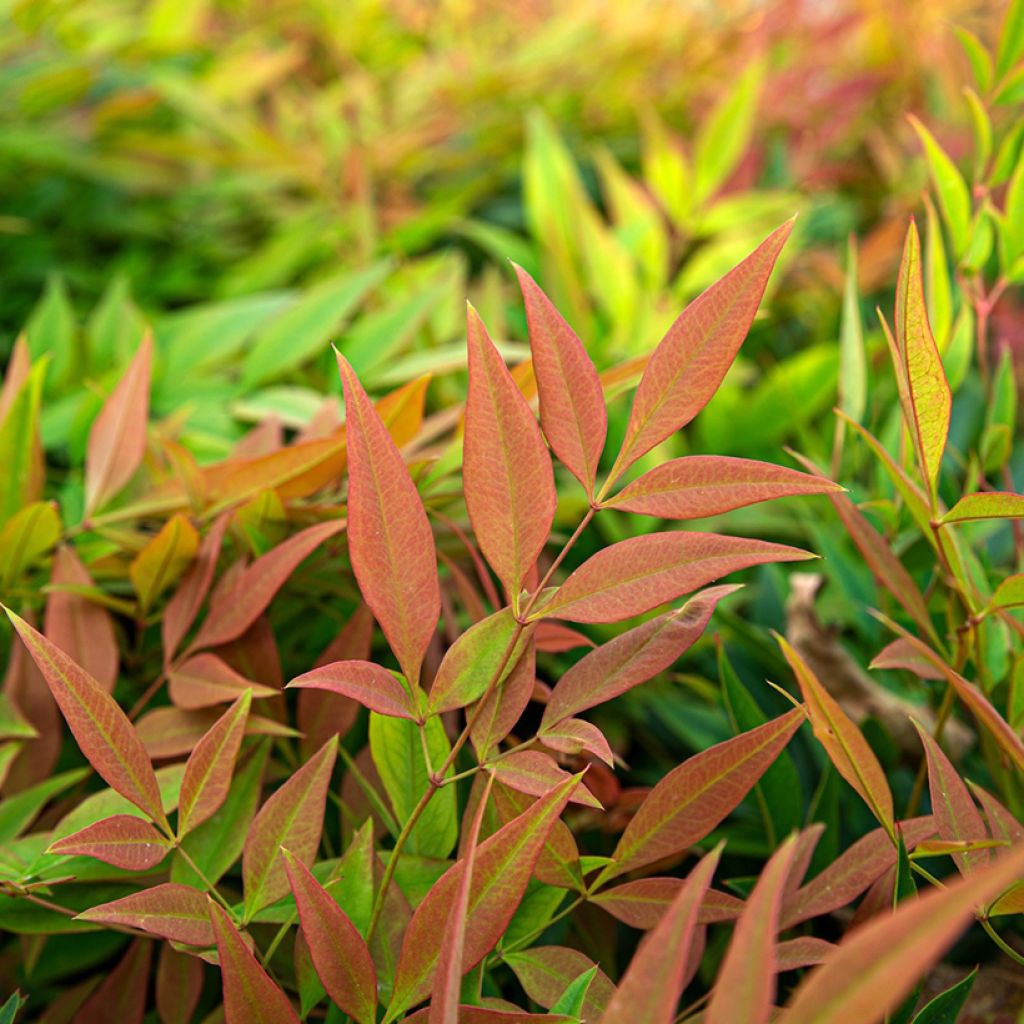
x=805 y=951
x=956 y=816
x=950 y=187
x=573 y=735
x=122 y=994
x=745 y=987
x=117 y=440
x=1009 y=593
x=179 y=986
x=536 y=774
x=81 y=628
x=503 y=866
x=638 y=574
x=122 y=840
x=235 y=610
x=162 y=561
x=651 y=987
x=210 y=767
x=707 y=485
x=632 y=657
x=26 y=537
x=250 y=996
x=843 y=741
x=21 y=456
x=293 y=817
x=16 y=373
x=172 y=911
x=642 y=903
x=902 y=654
x=487 y=1015
x=509 y=485
x=185 y=602
x=338 y=951
x=390 y=541
x=488 y=647
x=880 y=962
x=100 y=727
x=205 y=681
x=170 y=732
x=546 y=971
x=695 y=797
x=1002 y=824
x=572 y=409
x=684 y=371
x=852 y=873
x=924 y=389
x=371 y=685
x=498 y=711
x=986 y=505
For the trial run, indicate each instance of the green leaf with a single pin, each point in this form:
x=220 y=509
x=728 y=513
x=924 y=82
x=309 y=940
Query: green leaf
x=11 y=1007
x=986 y=505
x=1011 y=38
x=20 y=457
x=852 y=359
x=28 y=535
x=572 y=999
x=946 y=1006
x=51 y=332
x=954 y=199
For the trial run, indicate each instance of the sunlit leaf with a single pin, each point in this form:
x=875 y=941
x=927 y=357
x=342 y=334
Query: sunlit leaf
x=123 y=840
x=369 y=684
x=950 y=188
x=536 y=774
x=986 y=505
x=162 y=561
x=172 y=911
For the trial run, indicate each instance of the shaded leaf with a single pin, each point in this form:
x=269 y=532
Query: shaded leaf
x=546 y=971
x=179 y=985
x=162 y=561
x=122 y=995
x=642 y=903
x=26 y=537
x=946 y=1006
x=205 y=680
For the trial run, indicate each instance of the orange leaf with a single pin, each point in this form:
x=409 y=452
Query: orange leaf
x=172 y=911
x=205 y=680
x=371 y=685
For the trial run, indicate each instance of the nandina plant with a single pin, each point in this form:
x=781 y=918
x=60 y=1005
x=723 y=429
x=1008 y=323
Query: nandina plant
x=456 y=867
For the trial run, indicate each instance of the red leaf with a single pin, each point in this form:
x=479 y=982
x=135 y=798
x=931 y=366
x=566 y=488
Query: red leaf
x=179 y=985
x=642 y=904
x=686 y=368
x=572 y=409
x=553 y=638
x=509 y=485
x=509 y=856
x=170 y=732
x=122 y=840
x=172 y=911
x=232 y=613
x=338 y=951
x=805 y=951
x=546 y=971
x=293 y=817
x=100 y=727
x=745 y=987
x=486 y=1015
x=210 y=767
x=122 y=996
x=536 y=774
x=878 y=964
x=117 y=440
x=505 y=704
x=390 y=541
x=707 y=485
x=81 y=628
x=631 y=658
x=651 y=987
x=18 y=366
x=205 y=680
x=953 y=810
x=638 y=574
x=250 y=996
x=695 y=797
x=574 y=735
x=185 y=602
x=371 y=685
x=901 y=654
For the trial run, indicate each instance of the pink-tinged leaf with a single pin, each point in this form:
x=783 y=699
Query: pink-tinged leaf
x=172 y=911
x=632 y=657
x=924 y=390
x=509 y=484
x=179 y=986
x=986 y=505
x=390 y=541
x=100 y=727
x=636 y=575
x=504 y=705
x=554 y=638
x=901 y=654
x=843 y=741
x=210 y=767
x=806 y=951
x=536 y=774
x=1001 y=823
x=493 y=644
x=576 y=735
x=81 y=628
x=651 y=987
x=185 y=602
x=371 y=685
x=233 y=612
x=745 y=987
x=1010 y=902
x=572 y=409
x=708 y=485
x=338 y=951
x=447 y=988
x=956 y=816
x=642 y=903
x=877 y=965
x=508 y=857
x=546 y=971
x=690 y=362
x=117 y=440
x=170 y=732
x=852 y=873
x=123 y=840
x=122 y=995
x=699 y=794
x=293 y=817
x=16 y=374
x=250 y=996
x=205 y=680
x=487 y=1015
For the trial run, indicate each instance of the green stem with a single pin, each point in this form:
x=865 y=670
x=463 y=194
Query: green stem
x=1001 y=942
x=214 y=892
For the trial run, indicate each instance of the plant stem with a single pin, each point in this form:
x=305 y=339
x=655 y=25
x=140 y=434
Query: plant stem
x=1001 y=942
x=209 y=885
